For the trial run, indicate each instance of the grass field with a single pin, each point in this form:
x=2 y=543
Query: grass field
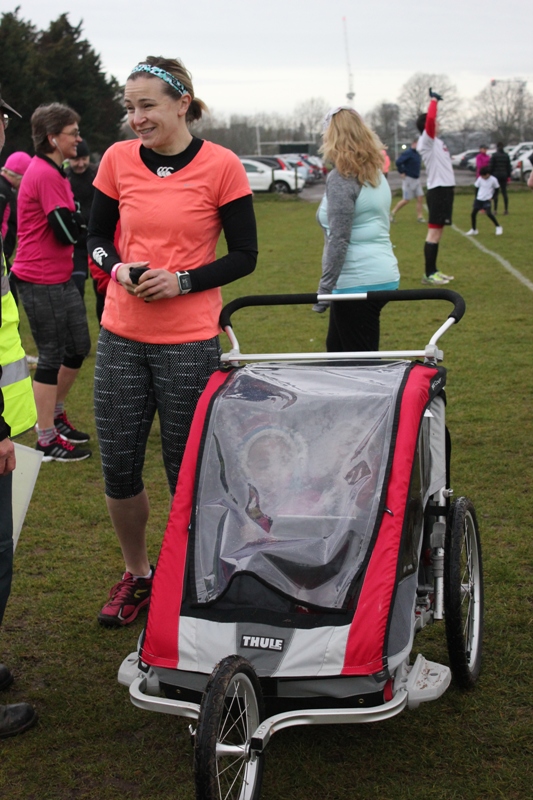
x=92 y=744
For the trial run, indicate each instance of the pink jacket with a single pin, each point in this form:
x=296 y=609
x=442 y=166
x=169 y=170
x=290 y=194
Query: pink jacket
x=482 y=160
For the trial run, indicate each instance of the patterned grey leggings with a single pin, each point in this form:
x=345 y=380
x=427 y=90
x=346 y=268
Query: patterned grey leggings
x=133 y=380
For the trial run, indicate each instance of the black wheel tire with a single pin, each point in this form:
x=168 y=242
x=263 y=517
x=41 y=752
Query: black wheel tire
x=280 y=187
x=463 y=593
x=230 y=711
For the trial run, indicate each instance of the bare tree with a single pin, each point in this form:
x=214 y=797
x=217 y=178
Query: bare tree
x=505 y=109
x=310 y=115
x=384 y=121
x=414 y=99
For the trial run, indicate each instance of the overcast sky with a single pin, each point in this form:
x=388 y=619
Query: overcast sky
x=249 y=56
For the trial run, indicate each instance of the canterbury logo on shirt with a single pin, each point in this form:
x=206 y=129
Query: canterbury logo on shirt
x=164 y=172
x=98 y=255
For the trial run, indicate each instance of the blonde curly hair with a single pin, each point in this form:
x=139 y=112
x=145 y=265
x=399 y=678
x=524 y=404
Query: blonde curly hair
x=353 y=148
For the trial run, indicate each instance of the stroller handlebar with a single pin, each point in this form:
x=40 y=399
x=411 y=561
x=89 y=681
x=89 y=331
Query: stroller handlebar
x=310 y=299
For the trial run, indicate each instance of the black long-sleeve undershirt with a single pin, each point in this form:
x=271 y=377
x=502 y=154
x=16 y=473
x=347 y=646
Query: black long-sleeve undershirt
x=238 y=224
x=65 y=224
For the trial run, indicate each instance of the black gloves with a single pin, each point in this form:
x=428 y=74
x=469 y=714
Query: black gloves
x=434 y=95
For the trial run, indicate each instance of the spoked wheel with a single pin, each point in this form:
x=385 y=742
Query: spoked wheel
x=230 y=712
x=280 y=187
x=463 y=593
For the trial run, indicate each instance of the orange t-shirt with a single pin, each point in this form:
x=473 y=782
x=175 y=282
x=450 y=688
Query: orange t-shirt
x=174 y=224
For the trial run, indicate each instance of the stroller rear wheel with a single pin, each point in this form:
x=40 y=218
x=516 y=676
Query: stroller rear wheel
x=463 y=593
x=230 y=712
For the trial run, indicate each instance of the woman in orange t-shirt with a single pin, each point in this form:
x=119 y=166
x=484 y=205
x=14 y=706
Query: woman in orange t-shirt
x=174 y=194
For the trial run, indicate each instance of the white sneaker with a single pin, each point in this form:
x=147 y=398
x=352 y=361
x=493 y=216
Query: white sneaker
x=499 y=230
x=471 y=232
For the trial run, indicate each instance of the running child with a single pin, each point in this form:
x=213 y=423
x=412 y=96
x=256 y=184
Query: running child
x=486 y=186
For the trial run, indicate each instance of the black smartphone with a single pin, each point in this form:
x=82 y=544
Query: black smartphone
x=136 y=272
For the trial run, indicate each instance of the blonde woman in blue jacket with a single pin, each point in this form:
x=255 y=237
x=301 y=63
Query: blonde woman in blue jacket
x=354 y=214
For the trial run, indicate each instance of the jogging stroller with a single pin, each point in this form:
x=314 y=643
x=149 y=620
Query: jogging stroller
x=312 y=535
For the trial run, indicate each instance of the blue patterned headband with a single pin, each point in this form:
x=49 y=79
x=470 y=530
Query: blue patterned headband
x=164 y=75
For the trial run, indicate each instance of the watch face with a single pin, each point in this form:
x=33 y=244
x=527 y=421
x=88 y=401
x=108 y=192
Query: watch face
x=185 y=283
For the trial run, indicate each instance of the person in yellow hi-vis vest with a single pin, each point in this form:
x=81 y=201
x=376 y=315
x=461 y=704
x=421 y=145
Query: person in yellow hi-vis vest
x=17 y=414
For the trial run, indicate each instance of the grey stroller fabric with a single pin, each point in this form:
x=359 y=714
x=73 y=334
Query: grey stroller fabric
x=292 y=477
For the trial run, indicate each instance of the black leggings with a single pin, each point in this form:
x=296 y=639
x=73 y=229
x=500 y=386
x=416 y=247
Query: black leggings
x=353 y=326
x=503 y=190
x=488 y=213
x=132 y=381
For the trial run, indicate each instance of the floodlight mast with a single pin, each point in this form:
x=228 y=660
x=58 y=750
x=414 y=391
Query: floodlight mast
x=350 y=94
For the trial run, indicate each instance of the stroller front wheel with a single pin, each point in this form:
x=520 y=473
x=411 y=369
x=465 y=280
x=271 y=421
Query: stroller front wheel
x=463 y=593
x=230 y=712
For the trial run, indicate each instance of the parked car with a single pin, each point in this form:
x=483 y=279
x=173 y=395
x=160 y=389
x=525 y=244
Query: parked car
x=523 y=166
x=297 y=162
x=516 y=152
x=459 y=159
x=315 y=164
x=317 y=161
x=264 y=178
x=295 y=165
x=272 y=161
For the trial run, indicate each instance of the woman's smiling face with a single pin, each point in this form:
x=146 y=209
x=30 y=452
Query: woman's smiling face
x=157 y=118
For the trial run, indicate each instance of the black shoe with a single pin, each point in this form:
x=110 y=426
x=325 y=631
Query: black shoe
x=66 y=429
x=16 y=719
x=6 y=677
x=61 y=450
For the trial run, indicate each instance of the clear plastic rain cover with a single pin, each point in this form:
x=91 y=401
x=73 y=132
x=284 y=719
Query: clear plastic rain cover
x=291 y=477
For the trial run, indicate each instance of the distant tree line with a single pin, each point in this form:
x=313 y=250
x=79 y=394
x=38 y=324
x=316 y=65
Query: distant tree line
x=56 y=65
x=503 y=111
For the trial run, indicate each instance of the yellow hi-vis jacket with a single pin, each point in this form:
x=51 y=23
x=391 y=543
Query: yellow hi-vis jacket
x=18 y=406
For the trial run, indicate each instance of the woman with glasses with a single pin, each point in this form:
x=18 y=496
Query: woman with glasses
x=174 y=194
x=48 y=227
x=354 y=215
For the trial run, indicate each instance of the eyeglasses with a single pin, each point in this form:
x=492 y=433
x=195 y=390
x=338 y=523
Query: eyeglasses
x=75 y=133
x=5 y=120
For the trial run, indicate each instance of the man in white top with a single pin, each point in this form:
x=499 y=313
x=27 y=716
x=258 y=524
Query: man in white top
x=440 y=186
x=486 y=186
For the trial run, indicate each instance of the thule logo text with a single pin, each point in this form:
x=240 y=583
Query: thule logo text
x=262 y=643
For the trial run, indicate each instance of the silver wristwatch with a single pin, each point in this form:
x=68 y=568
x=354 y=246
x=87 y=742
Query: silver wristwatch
x=184 y=282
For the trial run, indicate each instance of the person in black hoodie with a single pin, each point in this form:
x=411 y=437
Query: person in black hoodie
x=500 y=167
x=81 y=174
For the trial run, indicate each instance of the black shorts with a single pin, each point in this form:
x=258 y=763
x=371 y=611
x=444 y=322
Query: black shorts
x=482 y=205
x=440 y=205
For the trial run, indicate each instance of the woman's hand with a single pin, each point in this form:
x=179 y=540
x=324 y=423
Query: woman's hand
x=157 y=284
x=123 y=275
x=7 y=457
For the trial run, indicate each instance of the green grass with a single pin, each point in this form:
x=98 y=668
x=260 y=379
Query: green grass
x=92 y=744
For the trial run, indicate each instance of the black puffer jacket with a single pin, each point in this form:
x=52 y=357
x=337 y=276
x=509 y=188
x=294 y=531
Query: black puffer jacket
x=500 y=164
